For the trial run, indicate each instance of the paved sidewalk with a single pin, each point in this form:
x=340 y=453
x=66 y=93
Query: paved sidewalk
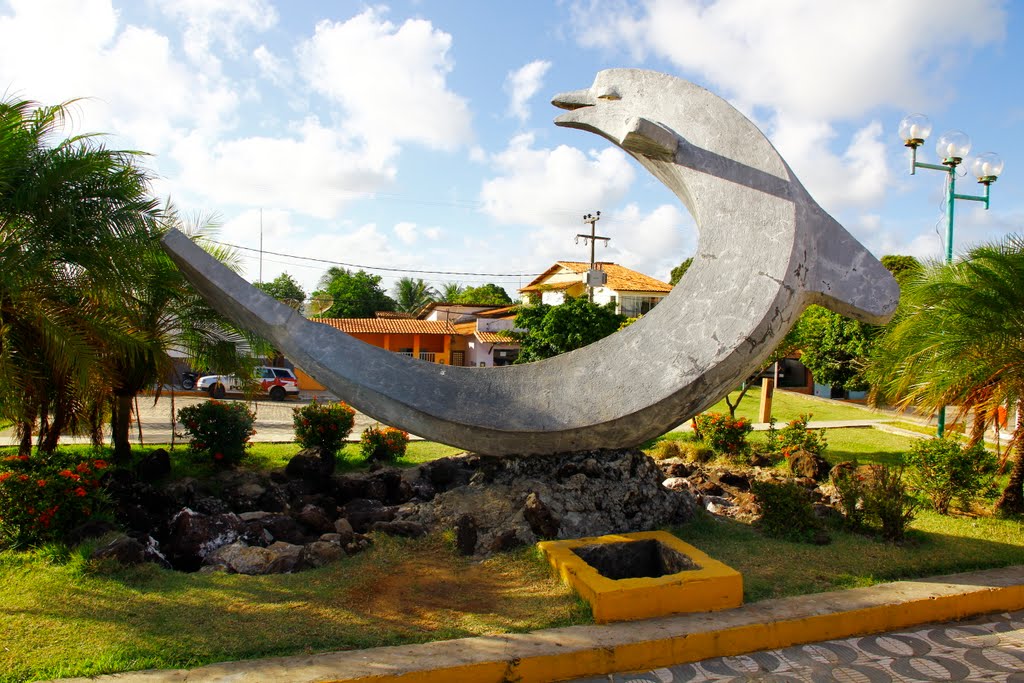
x=989 y=648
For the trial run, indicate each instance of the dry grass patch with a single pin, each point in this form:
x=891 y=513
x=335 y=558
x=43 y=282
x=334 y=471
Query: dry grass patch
x=82 y=618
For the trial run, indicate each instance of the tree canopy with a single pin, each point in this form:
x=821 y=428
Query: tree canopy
x=679 y=271
x=958 y=339
x=412 y=295
x=351 y=294
x=450 y=292
x=902 y=267
x=75 y=218
x=90 y=304
x=835 y=348
x=489 y=294
x=553 y=330
x=285 y=289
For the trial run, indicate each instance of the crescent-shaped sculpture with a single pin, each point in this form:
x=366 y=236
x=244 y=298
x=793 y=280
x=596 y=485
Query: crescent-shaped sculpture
x=766 y=250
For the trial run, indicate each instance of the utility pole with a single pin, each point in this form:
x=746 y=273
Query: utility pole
x=261 y=245
x=595 y=278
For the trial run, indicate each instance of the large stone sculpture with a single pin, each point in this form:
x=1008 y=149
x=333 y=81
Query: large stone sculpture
x=766 y=250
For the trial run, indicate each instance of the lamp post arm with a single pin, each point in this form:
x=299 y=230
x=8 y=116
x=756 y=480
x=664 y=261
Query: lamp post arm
x=934 y=167
x=976 y=198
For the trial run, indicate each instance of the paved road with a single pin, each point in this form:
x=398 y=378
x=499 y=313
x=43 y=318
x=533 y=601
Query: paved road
x=273 y=419
x=988 y=648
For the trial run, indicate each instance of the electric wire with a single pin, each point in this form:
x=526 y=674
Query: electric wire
x=366 y=267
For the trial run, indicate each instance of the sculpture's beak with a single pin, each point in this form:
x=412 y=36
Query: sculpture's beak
x=577 y=99
x=574 y=99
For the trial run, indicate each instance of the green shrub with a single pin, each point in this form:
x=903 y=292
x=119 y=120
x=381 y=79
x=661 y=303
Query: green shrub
x=787 y=512
x=694 y=451
x=383 y=443
x=664 y=450
x=220 y=429
x=323 y=425
x=943 y=471
x=849 y=483
x=42 y=498
x=795 y=437
x=887 y=502
x=723 y=434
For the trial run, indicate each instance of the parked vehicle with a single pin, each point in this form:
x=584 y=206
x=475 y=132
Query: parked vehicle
x=277 y=383
x=188 y=380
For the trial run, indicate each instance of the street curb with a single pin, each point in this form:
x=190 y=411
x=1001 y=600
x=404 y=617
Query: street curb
x=592 y=650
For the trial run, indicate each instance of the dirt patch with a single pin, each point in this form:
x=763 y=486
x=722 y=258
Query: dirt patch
x=423 y=591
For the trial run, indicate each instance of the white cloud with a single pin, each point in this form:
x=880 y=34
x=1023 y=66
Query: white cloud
x=272 y=67
x=806 y=58
x=89 y=55
x=548 y=187
x=406 y=232
x=522 y=84
x=652 y=243
x=808 y=64
x=856 y=177
x=218 y=21
x=390 y=80
x=315 y=171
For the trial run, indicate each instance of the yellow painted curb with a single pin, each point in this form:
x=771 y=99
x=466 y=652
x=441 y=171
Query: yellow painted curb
x=710 y=586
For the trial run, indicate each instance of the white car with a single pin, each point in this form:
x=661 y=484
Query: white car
x=277 y=383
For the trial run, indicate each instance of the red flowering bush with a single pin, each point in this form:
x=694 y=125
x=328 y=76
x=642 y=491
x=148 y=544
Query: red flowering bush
x=42 y=498
x=723 y=434
x=383 y=443
x=795 y=437
x=323 y=425
x=219 y=428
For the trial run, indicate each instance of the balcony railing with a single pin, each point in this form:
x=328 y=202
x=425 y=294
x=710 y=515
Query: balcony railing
x=429 y=356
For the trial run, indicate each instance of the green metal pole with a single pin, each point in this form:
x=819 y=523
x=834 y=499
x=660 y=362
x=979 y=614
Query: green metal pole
x=941 y=426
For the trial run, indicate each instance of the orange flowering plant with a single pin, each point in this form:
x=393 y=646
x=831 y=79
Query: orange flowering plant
x=219 y=428
x=383 y=443
x=722 y=433
x=42 y=498
x=323 y=425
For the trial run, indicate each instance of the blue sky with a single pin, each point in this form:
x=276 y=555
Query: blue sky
x=418 y=135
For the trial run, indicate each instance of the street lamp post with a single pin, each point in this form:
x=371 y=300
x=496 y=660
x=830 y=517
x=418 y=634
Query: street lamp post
x=952 y=147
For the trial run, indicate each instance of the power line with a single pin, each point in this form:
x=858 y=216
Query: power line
x=364 y=267
x=511 y=279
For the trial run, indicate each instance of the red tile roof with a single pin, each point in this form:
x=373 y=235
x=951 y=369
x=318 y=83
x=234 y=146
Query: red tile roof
x=388 y=325
x=620 y=278
x=503 y=312
x=494 y=338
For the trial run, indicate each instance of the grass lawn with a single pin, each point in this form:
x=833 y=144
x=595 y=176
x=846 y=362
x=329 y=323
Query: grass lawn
x=787 y=405
x=62 y=615
x=269 y=456
x=936 y=545
x=78 y=618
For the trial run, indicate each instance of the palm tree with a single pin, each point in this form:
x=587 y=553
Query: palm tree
x=163 y=313
x=958 y=339
x=412 y=295
x=90 y=304
x=450 y=292
x=73 y=218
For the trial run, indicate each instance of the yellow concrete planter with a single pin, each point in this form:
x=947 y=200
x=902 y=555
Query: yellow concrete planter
x=708 y=586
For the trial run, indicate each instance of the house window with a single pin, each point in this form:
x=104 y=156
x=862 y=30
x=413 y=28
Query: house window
x=458 y=357
x=634 y=306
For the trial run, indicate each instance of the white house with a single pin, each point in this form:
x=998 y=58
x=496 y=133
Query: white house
x=633 y=293
x=478 y=341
